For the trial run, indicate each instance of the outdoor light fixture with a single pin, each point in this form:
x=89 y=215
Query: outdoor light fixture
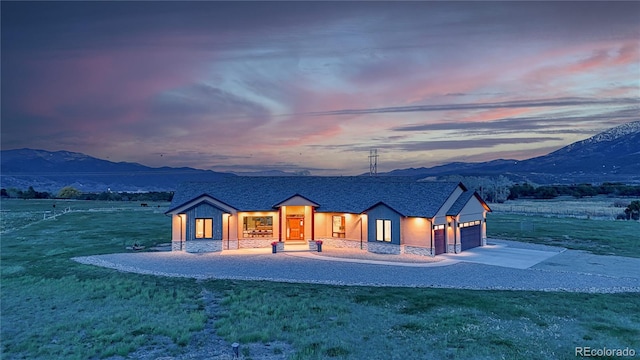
x=235 y=346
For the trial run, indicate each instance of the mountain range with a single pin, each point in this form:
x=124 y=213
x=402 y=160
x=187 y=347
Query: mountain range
x=613 y=155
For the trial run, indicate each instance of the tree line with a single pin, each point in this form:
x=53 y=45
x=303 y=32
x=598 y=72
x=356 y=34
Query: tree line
x=577 y=190
x=498 y=189
x=75 y=194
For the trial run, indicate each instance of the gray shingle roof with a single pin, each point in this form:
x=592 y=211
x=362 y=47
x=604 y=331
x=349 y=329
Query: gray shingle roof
x=350 y=194
x=462 y=200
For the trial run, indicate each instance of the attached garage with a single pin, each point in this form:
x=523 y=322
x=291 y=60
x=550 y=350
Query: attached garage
x=470 y=235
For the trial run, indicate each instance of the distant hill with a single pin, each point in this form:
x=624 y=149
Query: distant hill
x=51 y=171
x=613 y=155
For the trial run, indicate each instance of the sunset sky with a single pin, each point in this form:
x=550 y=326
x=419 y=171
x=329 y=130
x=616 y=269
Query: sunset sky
x=292 y=86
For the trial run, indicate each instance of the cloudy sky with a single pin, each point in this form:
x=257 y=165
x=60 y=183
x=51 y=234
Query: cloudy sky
x=247 y=86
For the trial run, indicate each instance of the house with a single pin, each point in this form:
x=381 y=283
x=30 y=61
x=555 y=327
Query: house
x=392 y=215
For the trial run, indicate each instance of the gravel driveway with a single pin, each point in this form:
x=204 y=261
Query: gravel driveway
x=287 y=267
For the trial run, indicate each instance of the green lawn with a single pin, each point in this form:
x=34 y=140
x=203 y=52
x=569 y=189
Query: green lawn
x=55 y=308
x=597 y=236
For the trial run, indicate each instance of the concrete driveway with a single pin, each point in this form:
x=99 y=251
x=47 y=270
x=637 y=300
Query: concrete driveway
x=502 y=255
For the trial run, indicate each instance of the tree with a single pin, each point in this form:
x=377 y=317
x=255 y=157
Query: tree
x=69 y=192
x=545 y=192
x=524 y=190
x=633 y=210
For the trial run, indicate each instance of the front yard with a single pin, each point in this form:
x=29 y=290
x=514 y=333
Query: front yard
x=53 y=307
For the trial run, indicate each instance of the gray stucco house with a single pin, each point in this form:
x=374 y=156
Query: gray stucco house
x=392 y=215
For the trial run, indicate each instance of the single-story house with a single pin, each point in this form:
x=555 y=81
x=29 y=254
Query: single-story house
x=391 y=215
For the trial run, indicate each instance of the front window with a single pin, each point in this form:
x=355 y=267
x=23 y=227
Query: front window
x=258 y=226
x=204 y=228
x=383 y=230
x=338 y=226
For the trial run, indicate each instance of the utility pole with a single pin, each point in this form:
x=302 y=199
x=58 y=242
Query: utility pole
x=373 y=162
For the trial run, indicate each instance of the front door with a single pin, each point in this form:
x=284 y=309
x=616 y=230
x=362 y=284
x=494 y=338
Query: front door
x=295 y=228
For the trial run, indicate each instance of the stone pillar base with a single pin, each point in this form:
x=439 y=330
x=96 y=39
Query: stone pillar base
x=230 y=244
x=177 y=245
x=313 y=246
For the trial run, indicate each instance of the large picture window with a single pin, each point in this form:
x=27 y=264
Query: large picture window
x=204 y=228
x=383 y=230
x=338 y=226
x=258 y=226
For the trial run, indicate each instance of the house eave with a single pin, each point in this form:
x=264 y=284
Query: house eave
x=198 y=200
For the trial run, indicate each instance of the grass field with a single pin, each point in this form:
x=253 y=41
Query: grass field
x=53 y=307
x=597 y=236
x=597 y=207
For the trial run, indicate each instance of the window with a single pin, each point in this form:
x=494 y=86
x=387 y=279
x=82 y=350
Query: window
x=338 y=226
x=383 y=230
x=258 y=226
x=438 y=227
x=204 y=228
x=470 y=223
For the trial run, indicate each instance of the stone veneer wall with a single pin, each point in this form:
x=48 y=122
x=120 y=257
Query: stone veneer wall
x=255 y=243
x=343 y=243
x=200 y=246
x=249 y=244
x=415 y=250
x=383 y=248
x=386 y=248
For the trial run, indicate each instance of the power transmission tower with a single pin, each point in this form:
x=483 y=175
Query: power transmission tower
x=373 y=162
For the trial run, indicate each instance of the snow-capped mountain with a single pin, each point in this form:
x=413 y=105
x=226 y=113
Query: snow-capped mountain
x=610 y=135
x=612 y=155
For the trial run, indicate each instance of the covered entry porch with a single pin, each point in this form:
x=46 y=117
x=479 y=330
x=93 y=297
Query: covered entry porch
x=296 y=220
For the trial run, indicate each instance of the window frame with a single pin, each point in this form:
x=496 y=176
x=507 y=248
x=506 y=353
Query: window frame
x=341 y=232
x=250 y=229
x=469 y=223
x=202 y=233
x=384 y=230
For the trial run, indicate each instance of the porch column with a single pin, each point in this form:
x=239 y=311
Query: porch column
x=313 y=223
x=280 y=224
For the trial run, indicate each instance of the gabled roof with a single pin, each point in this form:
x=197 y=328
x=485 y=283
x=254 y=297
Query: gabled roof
x=348 y=194
x=462 y=200
x=197 y=200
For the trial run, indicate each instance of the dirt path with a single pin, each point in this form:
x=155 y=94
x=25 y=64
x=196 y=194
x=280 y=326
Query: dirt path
x=206 y=344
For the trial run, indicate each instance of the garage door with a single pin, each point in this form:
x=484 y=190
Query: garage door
x=438 y=241
x=470 y=237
